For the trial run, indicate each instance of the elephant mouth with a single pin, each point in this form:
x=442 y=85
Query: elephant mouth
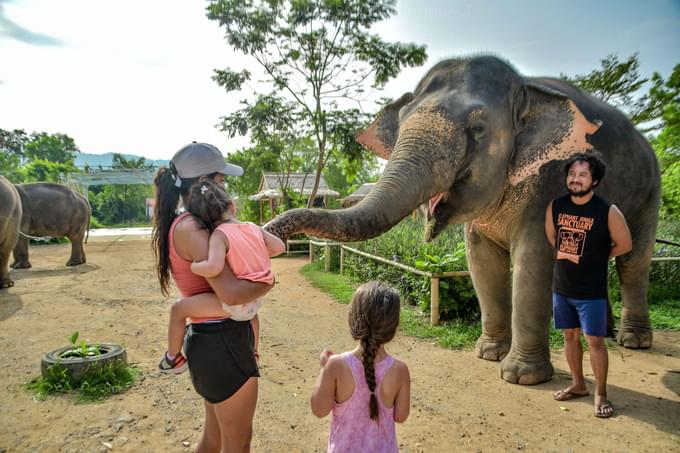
x=437 y=215
x=441 y=207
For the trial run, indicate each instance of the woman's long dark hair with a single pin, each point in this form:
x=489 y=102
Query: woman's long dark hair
x=167 y=196
x=373 y=320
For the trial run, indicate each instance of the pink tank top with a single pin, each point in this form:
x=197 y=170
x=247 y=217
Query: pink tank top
x=352 y=429
x=187 y=282
x=247 y=256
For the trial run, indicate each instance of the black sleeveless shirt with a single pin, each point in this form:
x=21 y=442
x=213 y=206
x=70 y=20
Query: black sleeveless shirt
x=582 y=247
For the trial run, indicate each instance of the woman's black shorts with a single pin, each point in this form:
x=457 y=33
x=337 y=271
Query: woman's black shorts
x=221 y=357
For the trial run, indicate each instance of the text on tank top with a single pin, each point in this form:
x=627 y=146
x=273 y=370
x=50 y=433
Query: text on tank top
x=582 y=247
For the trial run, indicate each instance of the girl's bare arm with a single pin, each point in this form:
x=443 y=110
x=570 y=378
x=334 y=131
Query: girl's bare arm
x=402 y=402
x=323 y=395
x=217 y=249
x=274 y=244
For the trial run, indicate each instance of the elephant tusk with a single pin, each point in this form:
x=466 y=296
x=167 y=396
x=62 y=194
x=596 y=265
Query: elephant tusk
x=434 y=201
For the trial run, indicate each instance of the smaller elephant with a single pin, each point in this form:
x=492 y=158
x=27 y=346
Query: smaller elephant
x=10 y=217
x=52 y=210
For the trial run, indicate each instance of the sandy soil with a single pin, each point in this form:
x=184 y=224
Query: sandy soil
x=459 y=402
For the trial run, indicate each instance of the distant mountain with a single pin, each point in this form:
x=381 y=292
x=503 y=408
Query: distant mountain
x=106 y=160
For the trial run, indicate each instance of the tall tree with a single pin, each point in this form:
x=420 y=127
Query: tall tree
x=665 y=97
x=11 y=153
x=58 y=148
x=618 y=83
x=317 y=52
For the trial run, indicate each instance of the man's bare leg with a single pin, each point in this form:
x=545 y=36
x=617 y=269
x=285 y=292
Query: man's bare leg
x=599 y=361
x=574 y=355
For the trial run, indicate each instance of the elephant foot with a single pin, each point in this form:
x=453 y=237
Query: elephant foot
x=635 y=337
x=489 y=349
x=73 y=262
x=526 y=371
x=21 y=265
x=6 y=283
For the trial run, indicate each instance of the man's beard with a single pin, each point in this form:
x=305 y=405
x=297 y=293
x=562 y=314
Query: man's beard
x=580 y=193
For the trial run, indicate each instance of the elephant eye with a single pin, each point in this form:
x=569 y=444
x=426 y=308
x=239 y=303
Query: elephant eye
x=477 y=132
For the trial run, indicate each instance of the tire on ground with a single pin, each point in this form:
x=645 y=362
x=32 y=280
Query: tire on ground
x=78 y=366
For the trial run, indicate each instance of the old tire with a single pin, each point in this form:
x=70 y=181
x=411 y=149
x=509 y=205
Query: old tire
x=79 y=366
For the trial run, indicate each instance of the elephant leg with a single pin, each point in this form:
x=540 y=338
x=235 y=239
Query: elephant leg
x=528 y=361
x=5 y=252
x=490 y=269
x=633 y=268
x=21 y=254
x=77 y=249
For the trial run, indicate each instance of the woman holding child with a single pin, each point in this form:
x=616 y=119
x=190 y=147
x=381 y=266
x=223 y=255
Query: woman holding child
x=220 y=351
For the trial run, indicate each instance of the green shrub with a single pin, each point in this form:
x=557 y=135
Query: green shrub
x=97 y=384
x=404 y=244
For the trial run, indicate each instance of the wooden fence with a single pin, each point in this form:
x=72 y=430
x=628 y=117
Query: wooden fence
x=434 y=277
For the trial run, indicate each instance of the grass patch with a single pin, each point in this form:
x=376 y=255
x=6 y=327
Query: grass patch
x=452 y=334
x=338 y=286
x=98 y=384
x=663 y=315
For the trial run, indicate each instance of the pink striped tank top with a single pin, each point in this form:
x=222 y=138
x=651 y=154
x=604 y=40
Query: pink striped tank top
x=352 y=429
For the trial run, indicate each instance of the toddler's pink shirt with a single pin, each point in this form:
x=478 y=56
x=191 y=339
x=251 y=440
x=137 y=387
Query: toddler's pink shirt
x=247 y=256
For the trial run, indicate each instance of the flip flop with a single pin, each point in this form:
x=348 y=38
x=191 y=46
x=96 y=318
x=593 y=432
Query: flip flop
x=600 y=409
x=566 y=395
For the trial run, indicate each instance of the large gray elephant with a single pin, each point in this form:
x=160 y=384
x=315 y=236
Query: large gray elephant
x=52 y=210
x=10 y=217
x=486 y=146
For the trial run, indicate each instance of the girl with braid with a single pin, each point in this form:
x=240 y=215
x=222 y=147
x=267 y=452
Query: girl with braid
x=366 y=389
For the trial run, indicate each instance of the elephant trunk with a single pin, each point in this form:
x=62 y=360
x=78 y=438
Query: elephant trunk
x=398 y=192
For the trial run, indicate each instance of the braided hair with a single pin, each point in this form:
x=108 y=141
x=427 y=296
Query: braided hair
x=373 y=320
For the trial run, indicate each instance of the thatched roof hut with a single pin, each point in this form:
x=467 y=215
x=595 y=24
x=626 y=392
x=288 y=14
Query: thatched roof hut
x=272 y=184
x=357 y=195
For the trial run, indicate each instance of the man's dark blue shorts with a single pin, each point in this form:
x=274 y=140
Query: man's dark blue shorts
x=590 y=315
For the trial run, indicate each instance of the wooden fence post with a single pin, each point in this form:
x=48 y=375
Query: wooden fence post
x=434 y=301
x=342 y=259
x=327 y=258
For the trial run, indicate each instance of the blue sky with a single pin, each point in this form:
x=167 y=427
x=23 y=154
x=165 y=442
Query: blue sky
x=134 y=76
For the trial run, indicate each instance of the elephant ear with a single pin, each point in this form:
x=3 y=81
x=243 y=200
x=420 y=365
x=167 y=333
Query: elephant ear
x=549 y=126
x=382 y=134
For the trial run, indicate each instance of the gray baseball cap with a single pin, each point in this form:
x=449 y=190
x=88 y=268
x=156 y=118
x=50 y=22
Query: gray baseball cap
x=198 y=159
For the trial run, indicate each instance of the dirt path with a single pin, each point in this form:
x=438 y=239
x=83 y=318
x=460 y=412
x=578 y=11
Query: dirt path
x=459 y=402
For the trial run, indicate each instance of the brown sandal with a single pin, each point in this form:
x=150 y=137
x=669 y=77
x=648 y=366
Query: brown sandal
x=604 y=410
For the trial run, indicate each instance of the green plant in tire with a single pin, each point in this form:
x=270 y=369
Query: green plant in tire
x=82 y=349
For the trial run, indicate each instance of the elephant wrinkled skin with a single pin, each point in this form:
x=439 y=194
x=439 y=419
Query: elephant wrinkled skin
x=10 y=217
x=54 y=210
x=485 y=146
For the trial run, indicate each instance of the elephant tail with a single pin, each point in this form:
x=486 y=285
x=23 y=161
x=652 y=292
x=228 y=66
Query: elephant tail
x=89 y=219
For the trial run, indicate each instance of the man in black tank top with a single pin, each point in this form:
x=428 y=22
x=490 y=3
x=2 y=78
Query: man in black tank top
x=585 y=230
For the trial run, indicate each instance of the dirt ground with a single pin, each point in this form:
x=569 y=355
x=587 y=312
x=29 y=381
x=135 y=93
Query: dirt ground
x=459 y=403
